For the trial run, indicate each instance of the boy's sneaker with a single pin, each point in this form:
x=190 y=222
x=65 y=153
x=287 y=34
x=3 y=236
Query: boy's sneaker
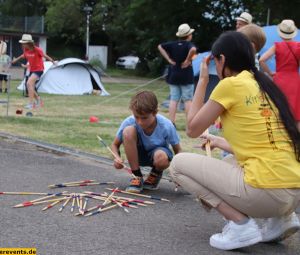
x=152 y=181
x=279 y=228
x=236 y=236
x=136 y=185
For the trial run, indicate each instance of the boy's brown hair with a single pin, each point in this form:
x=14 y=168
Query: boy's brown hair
x=255 y=34
x=144 y=102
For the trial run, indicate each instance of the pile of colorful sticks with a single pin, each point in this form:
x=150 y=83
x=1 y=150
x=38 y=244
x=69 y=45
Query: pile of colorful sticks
x=81 y=202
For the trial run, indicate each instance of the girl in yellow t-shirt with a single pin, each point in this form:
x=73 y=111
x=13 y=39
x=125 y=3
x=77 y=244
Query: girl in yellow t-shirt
x=262 y=178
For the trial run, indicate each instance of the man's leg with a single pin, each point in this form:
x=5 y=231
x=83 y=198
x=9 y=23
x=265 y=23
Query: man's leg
x=172 y=110
x=187 y=96
x=175 y=94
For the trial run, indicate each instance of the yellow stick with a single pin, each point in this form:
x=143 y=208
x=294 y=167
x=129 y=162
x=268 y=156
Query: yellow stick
x=141 y=195
x=64 y=205
x=73 y=202
x=39 y=202
x=207 y=145
x=51 y=205
x=108 y=198
x=66 y=183
x=101 y=210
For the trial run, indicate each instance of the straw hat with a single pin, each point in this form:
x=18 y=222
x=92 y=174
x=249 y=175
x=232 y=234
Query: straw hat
x=245 y=17
x=184 y=30
x=287 y=29
x=26 y=38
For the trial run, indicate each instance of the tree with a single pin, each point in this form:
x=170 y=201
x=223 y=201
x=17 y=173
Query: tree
x=23 y=8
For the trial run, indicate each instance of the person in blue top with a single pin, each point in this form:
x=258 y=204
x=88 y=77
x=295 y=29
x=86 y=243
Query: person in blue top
x=146 y=137
x=180 y=77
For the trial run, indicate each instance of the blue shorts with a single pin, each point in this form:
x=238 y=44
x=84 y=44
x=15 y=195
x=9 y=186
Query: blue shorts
x=37 y=73
x=146 y=157
x=185 y=92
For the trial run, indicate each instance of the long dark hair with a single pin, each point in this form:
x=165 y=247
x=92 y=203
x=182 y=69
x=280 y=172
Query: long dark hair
x=239 y=56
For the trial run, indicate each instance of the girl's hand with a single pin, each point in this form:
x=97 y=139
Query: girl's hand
x=212 y=139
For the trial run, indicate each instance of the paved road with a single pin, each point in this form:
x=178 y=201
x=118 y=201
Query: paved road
x=179 y=227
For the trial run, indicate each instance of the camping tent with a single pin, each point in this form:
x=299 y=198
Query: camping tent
x=70 y=76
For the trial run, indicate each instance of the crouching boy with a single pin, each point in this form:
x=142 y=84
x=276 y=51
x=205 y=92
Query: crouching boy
x=146 y=137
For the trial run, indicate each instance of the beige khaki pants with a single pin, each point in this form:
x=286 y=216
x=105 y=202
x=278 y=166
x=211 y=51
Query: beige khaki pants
x=213 y=181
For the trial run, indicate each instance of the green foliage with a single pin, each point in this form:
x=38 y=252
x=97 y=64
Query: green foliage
x=138 y=26
x=66 y=19
x=23 y=8
x=96 y=63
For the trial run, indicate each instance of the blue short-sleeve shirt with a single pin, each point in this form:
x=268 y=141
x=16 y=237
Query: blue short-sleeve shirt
x=163 y=135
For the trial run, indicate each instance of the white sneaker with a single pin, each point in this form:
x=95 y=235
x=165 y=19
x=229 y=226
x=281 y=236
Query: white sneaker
x=279 y=228
x=236 y=236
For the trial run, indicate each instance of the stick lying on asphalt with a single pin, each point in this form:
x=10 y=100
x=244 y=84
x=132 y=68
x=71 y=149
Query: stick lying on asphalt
x=140 y=195
x=67 y=183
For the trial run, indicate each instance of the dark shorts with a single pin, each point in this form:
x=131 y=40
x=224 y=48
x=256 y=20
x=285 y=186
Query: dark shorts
x=37 y=73
x=146 y=157
x=3 y=77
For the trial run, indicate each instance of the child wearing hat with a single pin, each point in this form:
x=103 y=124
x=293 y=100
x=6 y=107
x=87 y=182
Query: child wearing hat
x=287 y=54
x=147 y=137
x=34 y=55
x=180 y=78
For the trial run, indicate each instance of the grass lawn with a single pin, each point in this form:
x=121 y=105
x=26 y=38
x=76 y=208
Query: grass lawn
x=64 y=120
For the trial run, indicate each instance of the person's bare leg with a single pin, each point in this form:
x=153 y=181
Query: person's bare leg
x=187 y=106
x=172 y=110
x=230 y=213
x=130 y=147
x=160 y=160
x=30 y=86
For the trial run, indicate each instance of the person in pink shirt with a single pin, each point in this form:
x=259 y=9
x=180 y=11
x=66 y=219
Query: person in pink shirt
x=34 y=55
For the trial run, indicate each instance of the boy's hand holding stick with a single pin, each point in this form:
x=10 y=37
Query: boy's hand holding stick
x=116 y=157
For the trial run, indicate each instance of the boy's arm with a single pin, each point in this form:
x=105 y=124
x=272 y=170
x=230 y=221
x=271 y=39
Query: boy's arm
x=187 y=62
x=166 y=55
x=115 y=147
x=177 y=148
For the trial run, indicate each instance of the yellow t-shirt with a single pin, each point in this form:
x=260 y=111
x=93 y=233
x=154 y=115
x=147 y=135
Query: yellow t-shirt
x=261 y=144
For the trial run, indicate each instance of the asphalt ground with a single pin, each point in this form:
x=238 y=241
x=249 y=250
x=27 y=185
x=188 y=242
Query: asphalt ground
x=179 y=227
